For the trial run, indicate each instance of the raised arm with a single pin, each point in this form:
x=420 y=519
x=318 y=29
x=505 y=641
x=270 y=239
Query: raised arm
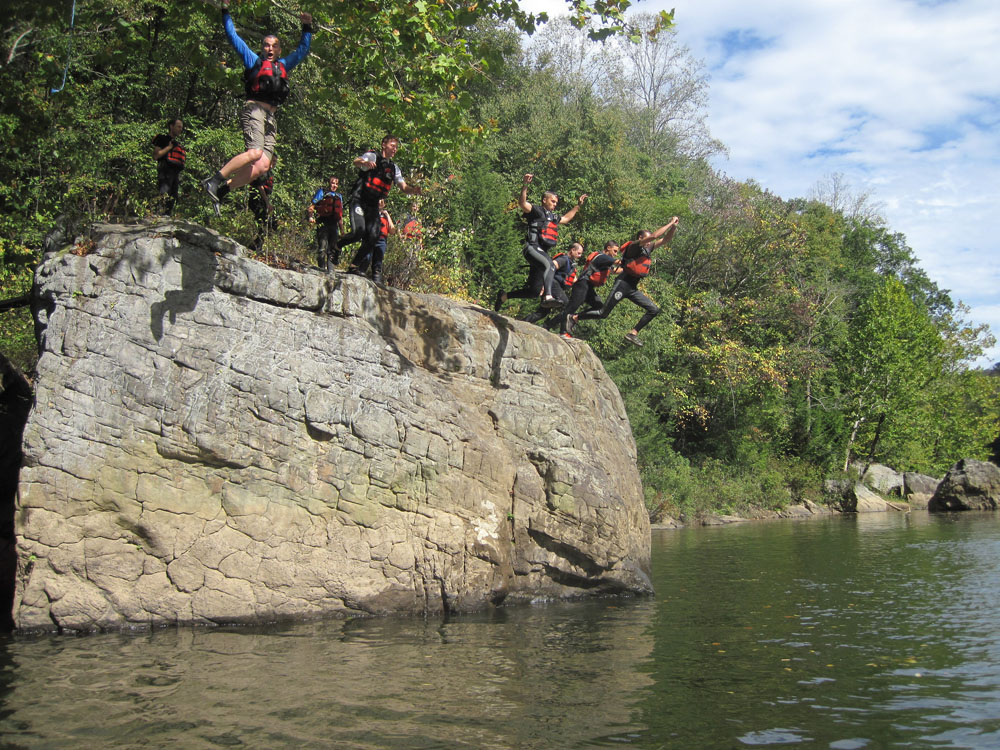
x=248 y=56
x=568 y=216
x=522 y=201
x=665 y=233
x=304 y=41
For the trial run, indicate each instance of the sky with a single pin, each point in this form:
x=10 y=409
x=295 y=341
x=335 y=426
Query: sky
x=899 y=97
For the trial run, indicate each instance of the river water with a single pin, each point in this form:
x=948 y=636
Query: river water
x=875 y=631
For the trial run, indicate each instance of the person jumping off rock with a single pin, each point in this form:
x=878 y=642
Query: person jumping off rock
x=266 y=81
x=562 y=283
x=636 y=262
x=543 y=233
x=595 y=273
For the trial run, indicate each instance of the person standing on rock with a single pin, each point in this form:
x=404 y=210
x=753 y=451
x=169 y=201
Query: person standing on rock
x=636 y=262
x=265 y=78
x=327 y=211
x=377 y=173
x=170 y=157
x=595 y=274
x=543 y=233
x=361 y=261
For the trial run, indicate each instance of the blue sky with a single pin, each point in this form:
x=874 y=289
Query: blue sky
x=901 y=97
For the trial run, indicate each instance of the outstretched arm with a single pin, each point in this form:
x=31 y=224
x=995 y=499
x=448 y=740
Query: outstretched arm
x=248 y=56
x=667 y=229
x=523 y=200
x=568 y=216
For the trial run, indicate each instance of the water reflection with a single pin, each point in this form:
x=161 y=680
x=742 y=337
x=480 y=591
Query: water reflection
x=869 y=632
x=522 y=678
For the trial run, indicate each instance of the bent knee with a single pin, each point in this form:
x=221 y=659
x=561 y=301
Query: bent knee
x=255 y=155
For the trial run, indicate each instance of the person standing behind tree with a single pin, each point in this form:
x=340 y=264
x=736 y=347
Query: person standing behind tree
x=265 y=79
x=327 y=211
x=377 y=173
x=170 y=157
x=543 y=233
x=636 y=264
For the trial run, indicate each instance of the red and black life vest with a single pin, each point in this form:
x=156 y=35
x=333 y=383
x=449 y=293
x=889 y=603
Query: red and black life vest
x=267 y=81
x=596 y=278
x=641 y=261
x=567 y=276
x=376 y=183
x=543 y=228
x=176 y=156
x=383 y=231
x=265 y=183
x=331 y=204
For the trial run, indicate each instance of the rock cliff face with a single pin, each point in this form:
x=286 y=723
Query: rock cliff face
x=215 y=440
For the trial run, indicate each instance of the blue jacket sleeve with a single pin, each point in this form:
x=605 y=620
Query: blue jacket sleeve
x=300 y=52
x=319 y=196
x=249 y=56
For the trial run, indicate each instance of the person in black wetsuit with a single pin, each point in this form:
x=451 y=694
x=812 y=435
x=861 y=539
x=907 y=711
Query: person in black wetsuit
x=543 y=233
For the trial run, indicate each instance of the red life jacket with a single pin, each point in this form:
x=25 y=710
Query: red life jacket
x=177 y=155
x=330 y=205
x=377 y=181
x=639 y=265
x=267 y=81
x=384 y=226
x=596 y=278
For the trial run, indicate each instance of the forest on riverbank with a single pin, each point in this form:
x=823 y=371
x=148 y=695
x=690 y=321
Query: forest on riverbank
x=799 y=333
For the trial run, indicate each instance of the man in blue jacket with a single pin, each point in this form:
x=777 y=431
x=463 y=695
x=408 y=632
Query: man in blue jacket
x=266 y=82
x=326 y=211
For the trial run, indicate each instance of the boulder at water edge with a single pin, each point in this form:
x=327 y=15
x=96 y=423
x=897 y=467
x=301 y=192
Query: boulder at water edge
x=215 y=440
x=968 y=485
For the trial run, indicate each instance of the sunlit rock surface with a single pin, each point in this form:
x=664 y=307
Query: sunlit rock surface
x=215 y=440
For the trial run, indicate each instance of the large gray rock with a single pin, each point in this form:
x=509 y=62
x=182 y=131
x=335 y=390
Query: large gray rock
x=860 y=499
x=919 y=484
x=215 y=440
x=968 y=485
x=883 y=480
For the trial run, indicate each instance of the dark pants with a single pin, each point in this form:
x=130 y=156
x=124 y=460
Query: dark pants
x=540 y=274
x=168 y=183
x=327 y=247
x=625 y=287
x=365 y=226
x=560 y=295
x=583 y=293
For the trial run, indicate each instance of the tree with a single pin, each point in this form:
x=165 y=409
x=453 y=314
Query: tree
x=891 y=356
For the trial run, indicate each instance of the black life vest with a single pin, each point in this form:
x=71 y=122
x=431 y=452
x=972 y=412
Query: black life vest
x=543 y=228
x=267 y=81
x=565 y=276
x=640 y=263
x=375 y=183
x=176 y=156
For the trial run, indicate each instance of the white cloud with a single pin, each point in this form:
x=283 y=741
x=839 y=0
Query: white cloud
x=900 y=96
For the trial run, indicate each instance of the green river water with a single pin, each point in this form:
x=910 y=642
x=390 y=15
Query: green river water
x=876 y=631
